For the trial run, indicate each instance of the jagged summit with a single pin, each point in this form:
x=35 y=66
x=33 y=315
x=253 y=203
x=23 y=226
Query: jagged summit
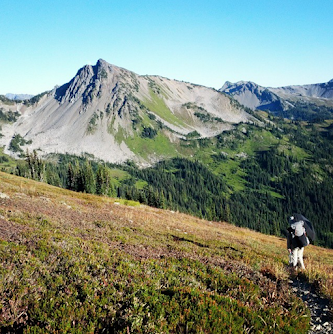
x=108 y=111
x=86 y=79
x=102 y=62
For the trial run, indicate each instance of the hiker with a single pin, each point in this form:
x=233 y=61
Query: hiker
x=296 y=240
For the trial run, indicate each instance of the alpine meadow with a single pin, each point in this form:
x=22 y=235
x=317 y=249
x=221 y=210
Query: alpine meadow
x=141 y=204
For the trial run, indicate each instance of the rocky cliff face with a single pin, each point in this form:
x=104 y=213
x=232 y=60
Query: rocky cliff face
x=111 y=113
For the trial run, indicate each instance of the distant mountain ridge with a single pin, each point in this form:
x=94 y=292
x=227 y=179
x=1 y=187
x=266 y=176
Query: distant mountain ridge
x=280 y=99
x=320 y=90
x=19 y=97
x=111 y=113
x=253 y=96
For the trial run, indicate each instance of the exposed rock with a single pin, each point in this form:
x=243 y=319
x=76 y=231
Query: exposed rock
x=279 y=99
x=320 y=90
x=321 y=315
x=253 y=96
x=103 y=106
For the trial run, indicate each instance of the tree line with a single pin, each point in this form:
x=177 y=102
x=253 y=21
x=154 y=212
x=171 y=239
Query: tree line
x=276 y=183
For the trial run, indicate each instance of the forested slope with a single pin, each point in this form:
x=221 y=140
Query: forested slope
x=252 y=176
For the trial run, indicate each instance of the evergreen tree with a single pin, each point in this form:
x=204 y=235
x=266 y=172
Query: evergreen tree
x=36 y=166
x=88 y=178
x=71 y=178
x=102 y=180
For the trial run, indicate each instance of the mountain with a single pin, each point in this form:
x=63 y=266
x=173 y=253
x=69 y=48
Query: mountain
x=113 y=114
x=75 y=262
x=301 y=101
x=319 y=91
x=19 y=97
x=241 y=173
x=254 y=96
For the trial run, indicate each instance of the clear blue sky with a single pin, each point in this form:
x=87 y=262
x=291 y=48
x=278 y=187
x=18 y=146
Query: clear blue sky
x=273 y=43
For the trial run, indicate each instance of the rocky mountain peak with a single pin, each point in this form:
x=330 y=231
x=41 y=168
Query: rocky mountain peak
x=102 y=63
x=110 y=112
x=252 y=95
x=226 y=85
x=103 y=68
x=87 y=80
x=238 y=86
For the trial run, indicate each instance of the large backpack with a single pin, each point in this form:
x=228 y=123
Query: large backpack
x=298 y=228
x=302 y=240
x=299 y=235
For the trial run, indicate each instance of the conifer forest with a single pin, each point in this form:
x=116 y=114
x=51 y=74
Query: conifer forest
x=251 y=176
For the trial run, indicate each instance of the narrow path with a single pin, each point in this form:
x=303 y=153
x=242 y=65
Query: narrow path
x=321 y=314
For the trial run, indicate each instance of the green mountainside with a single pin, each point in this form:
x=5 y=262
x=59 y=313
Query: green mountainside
x=181 y=146
x=252 y=176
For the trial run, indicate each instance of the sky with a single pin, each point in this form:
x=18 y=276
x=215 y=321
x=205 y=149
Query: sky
x=272 y=43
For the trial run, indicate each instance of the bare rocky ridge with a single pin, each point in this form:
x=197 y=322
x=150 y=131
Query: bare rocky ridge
x=105 y=105
x=320 y=90
x=254 y=96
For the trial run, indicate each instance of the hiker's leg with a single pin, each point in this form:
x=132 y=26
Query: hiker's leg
x=300 y=257
x=294 y=255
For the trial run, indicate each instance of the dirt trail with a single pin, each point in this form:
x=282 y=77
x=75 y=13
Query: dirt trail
x=321 y=313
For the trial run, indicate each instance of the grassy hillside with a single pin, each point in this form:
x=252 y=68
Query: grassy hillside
x=81 y=263
x=251 y=176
